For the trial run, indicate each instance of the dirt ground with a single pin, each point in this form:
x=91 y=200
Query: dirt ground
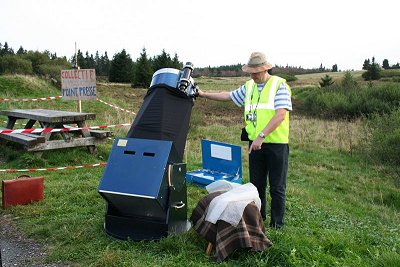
x=17 y=250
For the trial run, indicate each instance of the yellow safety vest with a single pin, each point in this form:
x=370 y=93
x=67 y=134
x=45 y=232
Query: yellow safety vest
x=263 y=107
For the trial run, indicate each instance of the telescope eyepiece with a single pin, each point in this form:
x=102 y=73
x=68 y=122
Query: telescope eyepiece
x=184 y=80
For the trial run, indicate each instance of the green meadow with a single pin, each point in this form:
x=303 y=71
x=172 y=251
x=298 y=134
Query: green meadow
x=343 y=207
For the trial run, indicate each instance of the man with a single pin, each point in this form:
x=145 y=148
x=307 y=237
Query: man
x=267 y=102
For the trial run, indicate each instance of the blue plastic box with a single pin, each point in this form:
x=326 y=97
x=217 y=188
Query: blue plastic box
x=221 y=161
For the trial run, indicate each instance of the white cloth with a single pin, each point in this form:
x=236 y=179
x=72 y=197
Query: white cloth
x=230 y=206
x=221 y=185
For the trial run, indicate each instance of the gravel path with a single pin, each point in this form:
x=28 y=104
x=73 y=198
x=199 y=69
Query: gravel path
x=17 y=250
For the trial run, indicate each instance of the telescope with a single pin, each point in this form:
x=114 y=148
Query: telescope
x=144 y=183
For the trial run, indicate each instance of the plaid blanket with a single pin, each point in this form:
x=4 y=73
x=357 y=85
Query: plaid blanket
x=249 y=233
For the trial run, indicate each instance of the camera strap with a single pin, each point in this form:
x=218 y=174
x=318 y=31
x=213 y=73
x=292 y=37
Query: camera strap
x=258 y=100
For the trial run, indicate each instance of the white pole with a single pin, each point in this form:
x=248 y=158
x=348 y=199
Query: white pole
x=79 y=107
x=76 y=57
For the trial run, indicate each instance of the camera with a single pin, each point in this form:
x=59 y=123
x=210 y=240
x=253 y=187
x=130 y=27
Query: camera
x=251 y=117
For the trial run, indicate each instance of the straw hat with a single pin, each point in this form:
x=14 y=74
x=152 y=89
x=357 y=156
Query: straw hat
x=257 y=63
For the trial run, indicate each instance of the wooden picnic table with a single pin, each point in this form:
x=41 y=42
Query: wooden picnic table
x=55 y=119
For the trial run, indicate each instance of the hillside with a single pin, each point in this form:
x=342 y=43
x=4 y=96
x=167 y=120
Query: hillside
x=341 y=209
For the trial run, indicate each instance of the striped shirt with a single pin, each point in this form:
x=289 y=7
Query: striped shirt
x=282 y=97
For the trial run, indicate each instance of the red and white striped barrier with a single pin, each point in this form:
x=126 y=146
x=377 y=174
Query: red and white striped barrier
x=108 y=104
x=29 y=99
x=52 y=130
x=56 y=168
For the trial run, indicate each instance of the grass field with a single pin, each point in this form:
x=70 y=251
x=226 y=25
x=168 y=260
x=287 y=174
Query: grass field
x=313 y=78
x=341 y=209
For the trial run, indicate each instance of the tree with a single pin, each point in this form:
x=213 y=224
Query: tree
x=89 y=61
x=143 y=71
x=373 y=71
x=348 y=81
x=385 y=64
x=176 y=64
x=101 y=64
x=326 y=81
x=366 y=64
x=21 y=51
x=79 y=60
x=162 y=61
x=97 y=63
x=53 y=56
x=121 y=68
x=334 y=68
x=6 y=50
x=104 y=65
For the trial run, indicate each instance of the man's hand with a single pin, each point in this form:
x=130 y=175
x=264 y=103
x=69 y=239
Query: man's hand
x=200 y=93
x=256 y=145
x=276 y=120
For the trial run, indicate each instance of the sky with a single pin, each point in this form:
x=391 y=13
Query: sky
x=304 y=33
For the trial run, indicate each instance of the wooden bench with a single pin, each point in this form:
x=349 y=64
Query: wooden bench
x=101 y=134
x=95 y=133
x=25 y=139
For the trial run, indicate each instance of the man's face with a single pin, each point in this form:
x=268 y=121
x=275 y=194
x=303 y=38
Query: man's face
x=259 y=77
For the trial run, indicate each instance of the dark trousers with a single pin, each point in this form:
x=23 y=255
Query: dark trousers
x=271 y=161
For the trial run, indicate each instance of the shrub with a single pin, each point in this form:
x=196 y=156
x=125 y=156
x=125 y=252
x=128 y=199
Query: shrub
x=326 y=81
x=52 y=69
x=385 y=137
x=39 y=63
x=10 y=64
x=288 y=77
x=390 y=73
x=349 y=82
x=340 y=102
x=37 y=58
x=373 y=72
